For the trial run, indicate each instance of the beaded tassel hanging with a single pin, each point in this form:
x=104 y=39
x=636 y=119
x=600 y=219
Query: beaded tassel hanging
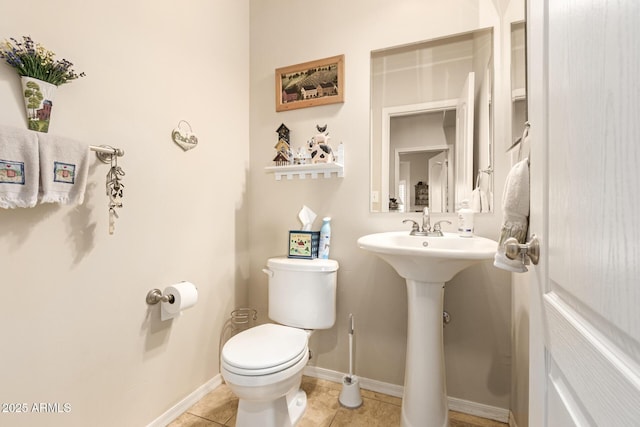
x=115 y=191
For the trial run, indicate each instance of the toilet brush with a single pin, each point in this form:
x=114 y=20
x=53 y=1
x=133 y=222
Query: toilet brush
x=350 y=395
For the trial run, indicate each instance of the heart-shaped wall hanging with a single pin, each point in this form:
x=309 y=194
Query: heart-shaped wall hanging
x=183 y=136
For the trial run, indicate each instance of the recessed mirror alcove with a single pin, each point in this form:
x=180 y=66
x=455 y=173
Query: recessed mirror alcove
x=431 y=124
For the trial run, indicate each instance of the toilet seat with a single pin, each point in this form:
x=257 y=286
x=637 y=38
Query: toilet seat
x=264 y=350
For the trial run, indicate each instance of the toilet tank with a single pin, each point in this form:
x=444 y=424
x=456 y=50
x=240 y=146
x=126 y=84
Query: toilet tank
x=302 y=292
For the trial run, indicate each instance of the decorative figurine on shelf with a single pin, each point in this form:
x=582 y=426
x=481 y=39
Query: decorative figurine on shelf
x=300 y=157
x=393 y=204
x=284 y=156
x=319 y=147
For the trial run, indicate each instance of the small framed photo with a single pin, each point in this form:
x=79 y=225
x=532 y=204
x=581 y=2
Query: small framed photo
x=303 y=244
x=310 y=84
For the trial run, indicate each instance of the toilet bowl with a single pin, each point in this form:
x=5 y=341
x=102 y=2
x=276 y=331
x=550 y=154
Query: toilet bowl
x=263 y=365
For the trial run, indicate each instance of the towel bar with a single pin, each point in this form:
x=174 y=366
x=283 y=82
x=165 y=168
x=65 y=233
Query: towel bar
x=105 y=152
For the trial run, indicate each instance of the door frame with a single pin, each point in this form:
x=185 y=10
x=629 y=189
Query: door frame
x=402 y=110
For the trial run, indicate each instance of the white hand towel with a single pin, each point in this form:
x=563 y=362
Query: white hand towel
x=19 y=168
x=64 y=165
x=479 y=200
x=515 y=208
x=484 y=201
x=476 y=200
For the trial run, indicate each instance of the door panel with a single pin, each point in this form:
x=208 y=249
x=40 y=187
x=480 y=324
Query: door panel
x=585 y=157
x=561 y=404
x=593 y=368
x=593 y=154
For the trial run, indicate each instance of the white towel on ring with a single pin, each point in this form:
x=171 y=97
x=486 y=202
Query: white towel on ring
x=19 y=168
x=479 y=200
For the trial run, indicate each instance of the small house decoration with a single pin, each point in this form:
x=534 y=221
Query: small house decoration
x=284 y=156
x=319 y=147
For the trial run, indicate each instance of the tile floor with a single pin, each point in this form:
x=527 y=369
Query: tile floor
x=218 y=409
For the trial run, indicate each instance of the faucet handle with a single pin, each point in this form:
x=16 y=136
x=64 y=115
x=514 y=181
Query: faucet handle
x=414 y=226
x=437 y=227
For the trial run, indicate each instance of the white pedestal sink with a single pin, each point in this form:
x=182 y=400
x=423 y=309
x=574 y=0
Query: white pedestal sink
x=426 y=263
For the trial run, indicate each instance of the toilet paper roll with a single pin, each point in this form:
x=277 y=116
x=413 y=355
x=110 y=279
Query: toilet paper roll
x=185 y=295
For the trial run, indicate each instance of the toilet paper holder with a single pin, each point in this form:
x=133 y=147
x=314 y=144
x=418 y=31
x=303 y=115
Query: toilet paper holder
x=155 y=296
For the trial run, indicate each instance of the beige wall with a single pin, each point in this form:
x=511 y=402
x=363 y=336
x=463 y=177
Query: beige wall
x=478 y=341
x=76 y=327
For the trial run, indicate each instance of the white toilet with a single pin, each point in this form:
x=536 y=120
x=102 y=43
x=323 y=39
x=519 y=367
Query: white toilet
x=263 y=365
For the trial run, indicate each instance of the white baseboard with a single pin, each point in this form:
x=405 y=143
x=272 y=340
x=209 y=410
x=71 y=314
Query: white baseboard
x=365 y=383
x=479 y=409
x=181 y=407
x=455 y=404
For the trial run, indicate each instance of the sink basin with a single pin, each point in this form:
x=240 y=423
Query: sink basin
x=428 y=259
x=426 y=263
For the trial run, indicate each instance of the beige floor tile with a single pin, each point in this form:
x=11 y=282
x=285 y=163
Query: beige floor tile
x=372 y=413
x=189 y=420
x=322 y=404
x=458 y=419
x=382 y=397
x=220 y=406
x=311 y=381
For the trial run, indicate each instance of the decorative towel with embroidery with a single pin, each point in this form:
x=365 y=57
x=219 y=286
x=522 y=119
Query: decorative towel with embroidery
x=19 y=168
x=515 y=208
x=64 y=165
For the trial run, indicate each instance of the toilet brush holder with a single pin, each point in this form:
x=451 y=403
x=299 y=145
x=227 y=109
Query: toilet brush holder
x=350 y=395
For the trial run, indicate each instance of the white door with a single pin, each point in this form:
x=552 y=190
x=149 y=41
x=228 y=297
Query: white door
x=403 y=190
x=464 y=141
x=438 y=182
x=584 y=110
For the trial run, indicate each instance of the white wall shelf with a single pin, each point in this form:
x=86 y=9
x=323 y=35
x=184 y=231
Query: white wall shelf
x=314 y=170
x=325 y=169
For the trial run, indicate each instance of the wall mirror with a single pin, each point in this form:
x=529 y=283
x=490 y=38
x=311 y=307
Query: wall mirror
x=432 y=125
x=518 y=80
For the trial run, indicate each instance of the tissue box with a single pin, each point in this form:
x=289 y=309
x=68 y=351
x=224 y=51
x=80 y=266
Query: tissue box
x=303 y=244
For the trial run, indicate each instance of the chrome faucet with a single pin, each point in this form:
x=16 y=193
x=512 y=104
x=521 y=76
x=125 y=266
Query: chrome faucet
x=426 y=220
x=426 y=230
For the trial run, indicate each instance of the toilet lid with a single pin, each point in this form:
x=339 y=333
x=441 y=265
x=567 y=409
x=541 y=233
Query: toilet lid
x=264 y=349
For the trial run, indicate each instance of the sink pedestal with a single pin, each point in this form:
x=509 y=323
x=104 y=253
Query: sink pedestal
x=425 y=399
x=426 y=263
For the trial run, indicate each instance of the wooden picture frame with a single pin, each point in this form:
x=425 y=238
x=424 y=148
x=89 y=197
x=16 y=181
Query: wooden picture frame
x=325 y=84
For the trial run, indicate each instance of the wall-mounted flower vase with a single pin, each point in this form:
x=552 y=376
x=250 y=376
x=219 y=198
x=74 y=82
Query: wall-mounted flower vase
x=38 y=101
